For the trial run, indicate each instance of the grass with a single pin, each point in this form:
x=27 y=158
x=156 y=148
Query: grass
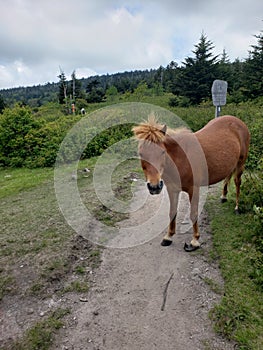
x=40 y=255
x=76 y=286
x=13 y=181
x=214 y=286
x=40 y=336
x=239 y=315
x=32 y=225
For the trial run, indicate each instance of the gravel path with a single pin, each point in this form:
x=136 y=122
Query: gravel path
x=148 y=297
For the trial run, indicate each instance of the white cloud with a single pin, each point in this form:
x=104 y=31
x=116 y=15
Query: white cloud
x=37 y=37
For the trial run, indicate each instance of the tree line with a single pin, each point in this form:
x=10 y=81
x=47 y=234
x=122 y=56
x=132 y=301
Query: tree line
x=190 y=82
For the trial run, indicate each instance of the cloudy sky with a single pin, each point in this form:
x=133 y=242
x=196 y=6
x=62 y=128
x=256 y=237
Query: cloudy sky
x=106 y=36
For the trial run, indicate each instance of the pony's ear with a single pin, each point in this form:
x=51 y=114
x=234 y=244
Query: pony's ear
x=164 y=128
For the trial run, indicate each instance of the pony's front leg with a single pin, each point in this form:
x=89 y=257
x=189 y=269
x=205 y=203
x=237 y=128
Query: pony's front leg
x=173 y=197
x=194 y=200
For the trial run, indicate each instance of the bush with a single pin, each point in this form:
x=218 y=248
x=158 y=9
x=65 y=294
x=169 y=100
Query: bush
x=30 y=141
x=256 y=145
x=252 y=189
x=252 y=200
x=33 y=139
x=106 y=139
x=15 y=124
x=44 y=142
x=179 y=101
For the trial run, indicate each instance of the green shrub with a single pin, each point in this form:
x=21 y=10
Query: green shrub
x=252 y=200
x=107 y=138
x=33 y=139
x=179 y=101
x=255 y=155
x=43 y=143
x=256 y=260
x=252 y=189
x=15 y=124
x=258 y=211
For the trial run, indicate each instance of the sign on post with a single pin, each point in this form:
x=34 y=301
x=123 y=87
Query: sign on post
x=219 y=91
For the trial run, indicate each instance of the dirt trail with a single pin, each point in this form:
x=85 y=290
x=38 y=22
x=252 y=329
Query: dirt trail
x=148 y=297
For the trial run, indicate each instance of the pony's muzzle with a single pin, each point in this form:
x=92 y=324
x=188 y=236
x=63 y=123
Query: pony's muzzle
x=155 y=189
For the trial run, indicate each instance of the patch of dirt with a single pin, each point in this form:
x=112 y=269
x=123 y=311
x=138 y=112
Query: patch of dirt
x=32 y=297
x=145 y=297
x=148 y=297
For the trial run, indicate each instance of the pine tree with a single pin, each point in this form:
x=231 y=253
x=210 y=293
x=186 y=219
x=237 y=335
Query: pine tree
x=225 y=70
x=94 y=92
x=62 y=94
x=198 y=72
x=224 y=57
x=170 y=79
x=2 y=104
x=253 y=69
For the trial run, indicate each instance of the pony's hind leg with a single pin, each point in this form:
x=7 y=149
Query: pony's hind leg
x=223 y=197
x=237 y=179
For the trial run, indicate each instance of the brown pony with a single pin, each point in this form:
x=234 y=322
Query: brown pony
x=185 y=161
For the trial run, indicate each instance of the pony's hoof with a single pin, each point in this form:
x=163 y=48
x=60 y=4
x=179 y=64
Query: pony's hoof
x=190 y=247
x=166 y=242
x=223 y=200
x=237 y=212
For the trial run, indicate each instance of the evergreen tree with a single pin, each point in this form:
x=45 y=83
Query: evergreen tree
x=94 y=92
x=62 y=93
x=224 y=58
x=198 y=72
x=225 y=70
x=2 y=104
x=236 y=81
x=159 y=76
x=253 y=70
x=171 y=78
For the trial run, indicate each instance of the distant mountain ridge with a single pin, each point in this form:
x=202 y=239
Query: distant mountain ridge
x=39 y=94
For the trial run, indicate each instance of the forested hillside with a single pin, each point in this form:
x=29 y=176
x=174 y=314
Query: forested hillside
x=190 y=81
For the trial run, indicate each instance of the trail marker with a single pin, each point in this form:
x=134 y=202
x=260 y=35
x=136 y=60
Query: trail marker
x=219 y=91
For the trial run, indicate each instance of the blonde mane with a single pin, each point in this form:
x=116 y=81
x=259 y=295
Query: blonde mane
x=152 y=131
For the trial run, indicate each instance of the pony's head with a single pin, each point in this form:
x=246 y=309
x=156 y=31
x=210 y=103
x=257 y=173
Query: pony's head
x=152 y=152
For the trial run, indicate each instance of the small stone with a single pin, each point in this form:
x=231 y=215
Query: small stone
x=30 y=311
x=84 y=300
x=196 y=271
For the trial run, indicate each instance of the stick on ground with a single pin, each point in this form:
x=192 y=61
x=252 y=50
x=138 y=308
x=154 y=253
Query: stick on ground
x=165 y=292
